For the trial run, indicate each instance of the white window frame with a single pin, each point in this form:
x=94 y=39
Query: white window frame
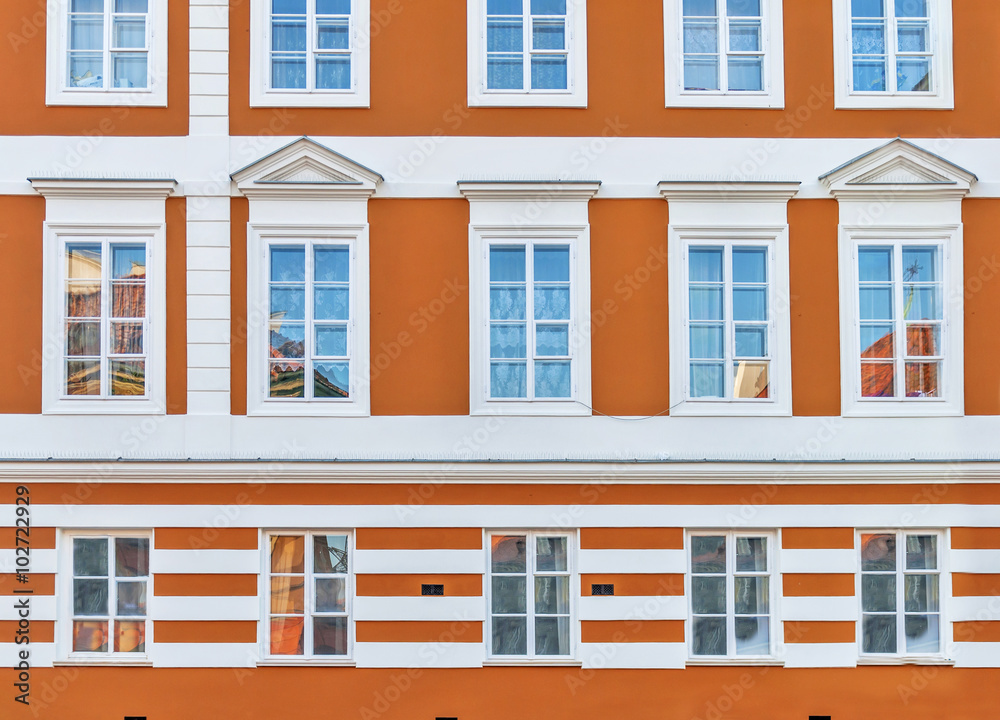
x=266 y=658
x=944 y=594
x=952 y=385
x=511 y=213
x=942 y=97
x=64 y=600
x=576 y=43
x=261 y=237
x=711 y=213
x=571 y=572
x=57 y=91
x=261 y=92
x=773 y=573
x=773 y=73
x=119 y=210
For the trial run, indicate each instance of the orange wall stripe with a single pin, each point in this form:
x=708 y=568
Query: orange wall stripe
x=975 y=538
x=429 y=632
x=635 y=585
x=419 y=539
x=226 y=631
x=974 y=585
x=499 y=494
x=38 y=583
x=630 y=538
x=176 y=215
x=39 y=538
x=239 y=216
x=817 y=585
x=40 y=631
x=817 y=538
x=819 y=632
x=629 y=631
x=205 y=538
x=211 y=585
x=409 y=585
x=987 y=631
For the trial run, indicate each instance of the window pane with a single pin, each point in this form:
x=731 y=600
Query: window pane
x=128 y=299
x=707 y=342
x=706 y=303
x=553 y=379
x=920 y=264
x=551 y=554
x=333 y=7
x=708 y=595
x=749 y=265
x=922 y=633
x=131 y=6
x=510 y=636
x=744 y=37
x=746 y=74
x=921 y=593
x=913 y=74
x=750 y=304
x=878 y=593
x=508 y=553
x=130 y=636
x=548 y=35
x=705 y=265
x=287 y=379
x=288 y=264
x=548 y=7
x=743 y=8
x=126 y=338
x=505 y=72
x=83 y=262
x=333 y=72
x=288 y=302
x=867 y=8
x=288 y=7
x=90 y=636
x=914 y=37
x=878 y=341
x=90 y=557
x=552 y=303
x=330 y=554
x=552 y=636
x=699 y=7
x=83 y=299
x=508 y=341
x=878 y=634
x=708 y=554
x=508 y=380
x=751 y=341
x=331 y=340
x=129 y=32
x=701 y=73
x=751 y=595
x=868 y=39
x=922 y=379
x=331 y=380
x=288 y=594
x=288 y=35
x=330 y=636
x=288 y=72
x=504 y=7
x=331 y=303
x=131 y=557
x=911 y=8
x=83 y=338
x=287 y=339
x=331 y=595
x=286 y=635
x=507 y=264
x=707 y=380
x=751 y=554
x=876 y=303
x=86 y=70
x=701 y=37
x=131 y=598
x=333 y=34
x=90 y=597
x=875 y=264
x=921 y=302
x=504 y=35
x=86 y=32
x=551 y=264
x=287 y=554
x=332 y=264
x=510 y=594
x=709 y=636
x=86 y=6
x=878 y=379
x=753 y=636
x=128 y=377
x=878 y=552
x=552 y=340
x=552 y=595
x=921 y=552
x=869 y=75
x=548 y=72
x=83 y=377
x=751 y=380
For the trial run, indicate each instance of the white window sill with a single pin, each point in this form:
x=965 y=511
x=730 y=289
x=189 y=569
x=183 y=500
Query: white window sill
x=885 y=101
x=905 y=661
x=568 y=408
x=305 y=662
x=767 y=101
x=902 y=409
x=735 y=662
x=109 y=406
x=532 y=662
x=308 y=409
x=109 y=98
x=132 y=662
x=730 y=408
x=529 y=99
x=264 y=98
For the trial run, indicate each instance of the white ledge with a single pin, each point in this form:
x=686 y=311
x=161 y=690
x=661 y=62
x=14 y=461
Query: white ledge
x=555 y=191
x=83 y=188
x=721 y=191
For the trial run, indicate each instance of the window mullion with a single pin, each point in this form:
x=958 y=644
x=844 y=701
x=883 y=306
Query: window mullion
x=723 y=25
x=311 y=31
x=730 y=595
x=310 y=290
x=900 y=593
x=529 y=583
x=729 y=337
x=526 y=64
x=900 y=299
x=105 y=362
x=529 y=316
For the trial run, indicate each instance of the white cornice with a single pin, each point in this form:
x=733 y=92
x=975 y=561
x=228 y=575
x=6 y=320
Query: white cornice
x=85 y=188
x=521 y=191
x=711 y=191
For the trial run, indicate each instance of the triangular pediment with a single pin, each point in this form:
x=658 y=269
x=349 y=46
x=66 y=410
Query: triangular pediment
x=901 y=167
x=305 y=167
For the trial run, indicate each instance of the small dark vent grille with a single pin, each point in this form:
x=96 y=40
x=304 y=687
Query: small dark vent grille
x=602 y=589
x=819 y=717
x=135 y=717
x=432 y=589
x=440 y=718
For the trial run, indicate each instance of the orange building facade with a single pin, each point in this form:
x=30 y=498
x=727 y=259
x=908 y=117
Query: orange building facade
x=484 y=358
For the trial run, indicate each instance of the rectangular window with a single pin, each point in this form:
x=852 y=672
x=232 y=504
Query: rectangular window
x=891 y=46
x=900 y=320
x=527 y=45
x=731 y=595
x=108 y=44
x=723 y=45
x=530 y=608
x=900 y=593
x=308 y=594
x=309 y=322
x=530 y=301
x=312 y=45
x=110 y=586
x=106 y=318
x=730 y=328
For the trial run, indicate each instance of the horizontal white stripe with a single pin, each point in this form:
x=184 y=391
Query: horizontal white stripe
x=203 y=655
x=665 y=607
x=420 y=561
x=397 y=609
x=41 y=607
x=40 y=655
x=39 y=561
x=204 y=561
x=628 y=655
x=803 y=655
x=419 y=655
x=632 y=561
x=819 y=608
x=205 y=608
x=971 y=655
x=818 y=561
x=966 y=609
x=975 y=561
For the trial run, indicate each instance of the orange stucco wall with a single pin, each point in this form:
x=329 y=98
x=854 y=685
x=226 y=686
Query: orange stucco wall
x=982 y=306
x=418 y=82
x=22 y=55
x=21 y=219
x=176 y=306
